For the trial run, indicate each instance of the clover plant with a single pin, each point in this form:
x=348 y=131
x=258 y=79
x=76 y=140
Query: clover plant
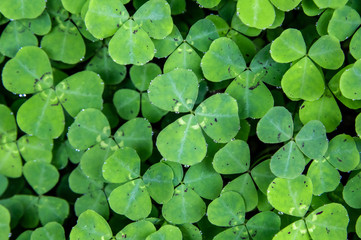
x=180 y=119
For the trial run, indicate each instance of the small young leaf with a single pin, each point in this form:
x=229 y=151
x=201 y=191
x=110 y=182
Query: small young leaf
x=32 y=67
x=159 y=182
x=184 y=207
x=42 y=115
x=136 y=230
x=174 y=91
x=275 y=126
x=166 y=232
x=222 y=61
x=342 y=153
x=288 y=162
x=91 y=224
x=90 y=127
x=312 y=140
x=202 y=34
x=41 y=176
x=80 y=91
x=227 y=210
x=289 y=46
x=131 y=199
x=104 y=18
x=218 y=117
x=132 y=38
x=328 y=222
x=182 y=141
x=327 y=52
x=233 y=158
x=253 y=97
x=344 y=22
x=256 y=13
x=123 y=165
x=154 y=17
x=291 y=196
x=127 y=103
x=325 y=178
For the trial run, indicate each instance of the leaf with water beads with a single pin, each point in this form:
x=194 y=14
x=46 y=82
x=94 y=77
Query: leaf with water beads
x=32 y=66
x=42 y=115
